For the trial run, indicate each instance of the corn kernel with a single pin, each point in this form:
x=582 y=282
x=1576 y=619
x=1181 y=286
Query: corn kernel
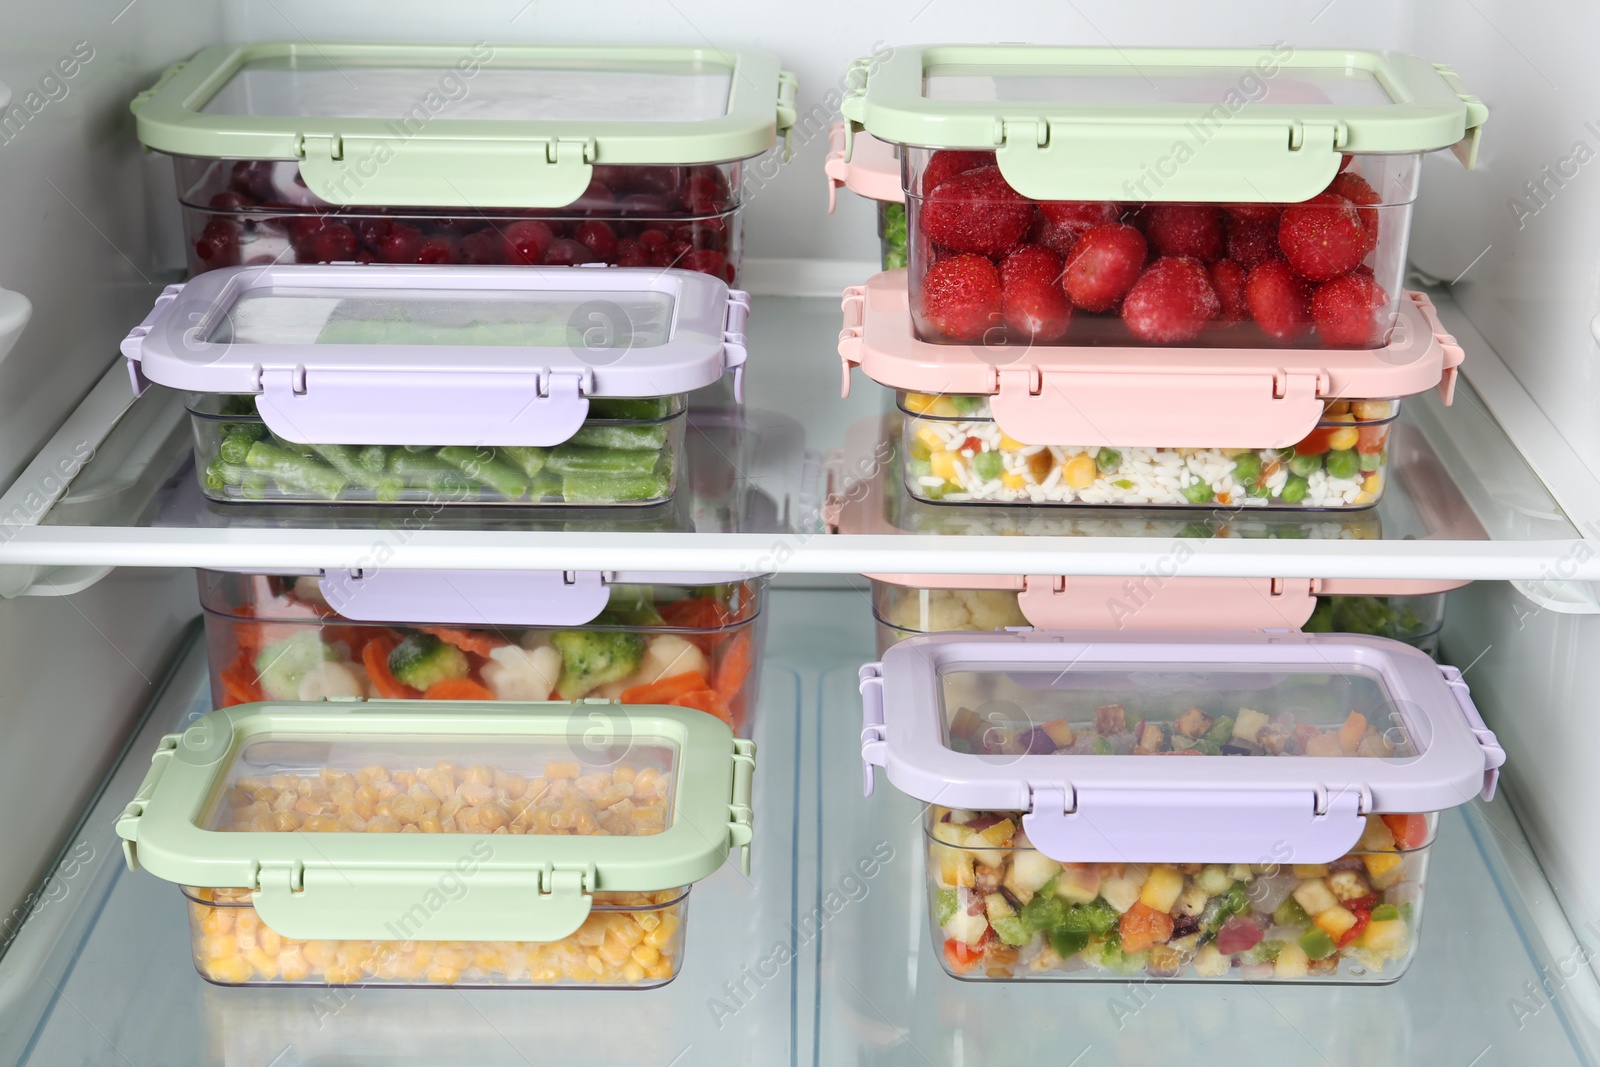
x=1080 y=471
x=1368 y=410
x=1012 y=480
x=646 y=955
x=930 y=437
x=918 y=403
x=663 y=933
x=944 y=465
x=1342 y=440
x=1009 y=443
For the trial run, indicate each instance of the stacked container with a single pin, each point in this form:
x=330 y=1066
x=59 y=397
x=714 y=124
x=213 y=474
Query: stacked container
x=1154 y=279
x=294 y=152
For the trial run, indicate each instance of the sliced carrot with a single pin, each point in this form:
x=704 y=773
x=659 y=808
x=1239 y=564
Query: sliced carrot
x=733 y=666
x=706 y=700
x=477 y=641
x=662 y=690
x=700 y=613
x=457 y=689
x=375 y=657
x=1410 y=831
x=239 y=685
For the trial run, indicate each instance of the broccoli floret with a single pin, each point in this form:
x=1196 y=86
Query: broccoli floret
x=591 y=658
x=421 y=660
x=281 y=665
x=631 y=605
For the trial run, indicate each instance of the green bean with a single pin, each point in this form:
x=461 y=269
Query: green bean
x=295 y=472
x=483 y=465
x=529 y=457
x=236 y=443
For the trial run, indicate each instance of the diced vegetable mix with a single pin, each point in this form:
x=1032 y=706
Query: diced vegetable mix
x=1001 y=905
x=625 y=454
x=1380 y=616
x=892 y=234
x=647 y=647
x=614 y=946
x=955 y=452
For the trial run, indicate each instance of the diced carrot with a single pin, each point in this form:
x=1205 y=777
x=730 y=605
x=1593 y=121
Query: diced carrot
x=1410 y=831
x=239 y=685
x=733 y=666
x=1143 y=926
x=1224 y=499
x=480 y=641
x=698 y=613
x=961 y=957
x=457 y=689
x=1350 y=734
x=375 y=657
x=663 y=690
x=706 y=700
x=1370 y=440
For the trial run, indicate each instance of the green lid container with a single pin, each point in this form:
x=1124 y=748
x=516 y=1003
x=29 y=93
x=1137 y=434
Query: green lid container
x=465 y=126
x=1267 y=124
x=537 y=885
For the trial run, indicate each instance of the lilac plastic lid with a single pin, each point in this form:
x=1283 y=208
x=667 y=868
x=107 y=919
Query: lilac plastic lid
x=426 y=355
x=1156 y=808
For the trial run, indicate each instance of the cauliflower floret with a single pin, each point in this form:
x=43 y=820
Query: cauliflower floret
x=666 y=655
x=515 y=673
x=308 y=588
x=994 y=609
x=330 y=679
x=947 y=611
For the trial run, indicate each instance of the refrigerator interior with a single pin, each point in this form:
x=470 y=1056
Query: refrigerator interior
x=90 y=234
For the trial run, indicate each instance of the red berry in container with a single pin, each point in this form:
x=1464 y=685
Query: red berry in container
x=565 y=252
x=707 y=192
x=706 y=261
x=230 y=200
x=630 y=253
x=1346 y=311
x=1252 y=241
x=1254 y=212
x=1354 y=188
x=1032 y=302
x=253 y=177
x=526 y=242
x=597 y=197
x=1228 y=278
x=318 y=239
x=439 y=248
x=1193 y=230
x=664 y=181
x=977 y=212
x=1323 y=237
x=1279 y=301
x=653 y=237
x=1103 y=266
x=948 y=162
x=1078 y=216
x=482 y=247
x=1054 y=236
x=218 y=244
x=1171 y=302
x=598 y=238
x=961 y=297
x=645 y=205
x=393 y=242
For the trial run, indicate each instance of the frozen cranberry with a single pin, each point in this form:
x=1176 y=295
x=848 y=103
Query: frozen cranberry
x=482 y=247
x=318 y=239
x=439 y=249
x=663 y=181
x=597 y=197
x=253 y=177
x=565 y=252
x=631 y=253
x=598 y=238
x=707 y=192
x=218 y=244
x=526 y=242
x=708 y=262
x=393 y=242
x=652 y=238
x=614 y=177
x=458 y=226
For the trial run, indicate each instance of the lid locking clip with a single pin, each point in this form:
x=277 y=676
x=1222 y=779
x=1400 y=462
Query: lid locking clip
x=874 y=735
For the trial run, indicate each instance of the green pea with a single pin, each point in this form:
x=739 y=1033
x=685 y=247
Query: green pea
x=1108 y=459
x=1294 y=490
x=1343 y=463
x=1369 y=461
x=1247 y=467
x=1305 y=466
x=988 y=465
x=1258 y=490
x=1198 y=493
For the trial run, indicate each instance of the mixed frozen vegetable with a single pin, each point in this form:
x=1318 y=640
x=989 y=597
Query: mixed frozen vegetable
x=628 y=939
x=1403 y=618
x=892 y=234
x=625 y=454
x=956 y=452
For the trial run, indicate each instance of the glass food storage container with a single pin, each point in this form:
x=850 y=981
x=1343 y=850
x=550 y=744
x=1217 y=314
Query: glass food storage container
x=291 y=152
x=440 y=385
x=872 y=171
x=1415 y=618
x=1212 y=197
x=686 y=640
x=455 y=844
x=1306 y=429
x=1065 y=839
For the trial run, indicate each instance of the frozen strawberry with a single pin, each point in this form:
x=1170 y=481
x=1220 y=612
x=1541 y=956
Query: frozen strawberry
x=1252 y=241
x=598 y=238
x=1354 y=188
x=1103 y=266
x=664 y=181
x=1057 y=238
x=630 y=253
x=1254 y=212
x=948 y=163
x=1279 y=300
x=1227 y=278
x=706 y=261
x=706 y=192
x=565 y=252
x=1323 y=237
x=1032 y=301
x=1346 y=309
x=976 y=211
x=1193 y=230
x=320 y=240
x=526 y=242
x=439 y=248
x=484 y=246
x=1171 y=302
x=1345 y=160
x=1078 y=216
x=961 y=297
x=218 y=244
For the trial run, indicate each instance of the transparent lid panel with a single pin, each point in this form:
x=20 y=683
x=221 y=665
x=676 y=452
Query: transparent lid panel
x=597 y=782
x=1151 y=84
x=286 y=315
x=589 y=92
x=1112 y=709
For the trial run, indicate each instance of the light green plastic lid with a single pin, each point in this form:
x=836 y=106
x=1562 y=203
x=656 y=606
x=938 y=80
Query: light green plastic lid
x=441 y=886
x=466 y=126
x=1217 y=124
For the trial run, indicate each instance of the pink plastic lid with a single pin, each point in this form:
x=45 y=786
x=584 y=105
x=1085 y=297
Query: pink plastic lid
x=873 y=170
x=1145 y=397
x=1080 y=731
